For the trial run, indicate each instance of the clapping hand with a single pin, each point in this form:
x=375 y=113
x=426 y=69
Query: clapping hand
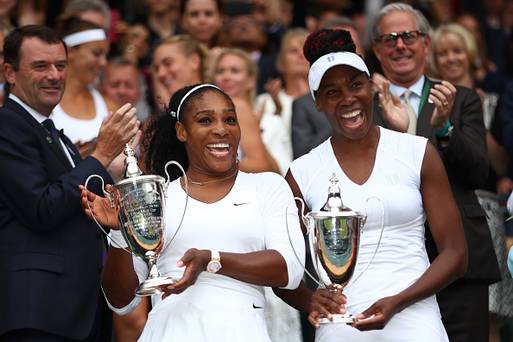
x=378 y=315
x=116 y=131
x=99 y=207
x=273 y=88
x=326 y=302
x=195 y=261
x=442 y=95
x=394 y=112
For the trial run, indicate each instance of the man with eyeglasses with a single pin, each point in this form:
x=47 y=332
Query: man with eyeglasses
x=451 y=118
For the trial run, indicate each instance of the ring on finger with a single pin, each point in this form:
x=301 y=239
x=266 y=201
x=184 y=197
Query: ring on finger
x=445 y=103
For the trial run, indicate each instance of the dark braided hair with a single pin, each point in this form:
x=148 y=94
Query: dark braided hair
x=159 y=141
x=322 y=42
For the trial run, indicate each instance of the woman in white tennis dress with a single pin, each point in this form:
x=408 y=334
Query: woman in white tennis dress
x=233 y=240
x=394 y=297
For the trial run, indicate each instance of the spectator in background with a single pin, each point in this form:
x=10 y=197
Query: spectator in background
x=235 y=73
x=121 y=82
x=178 y=61
x=161 y=18
x=202 y=20
x=488 y=76
x=453 y=57
x=293 y=80
x=245 y=33
x=453 y=53
x=82 y=108
x=30 y=12
x=93 y=11
x=276 y=16
x=309 y=126
x=134 y=44
x=452 y=119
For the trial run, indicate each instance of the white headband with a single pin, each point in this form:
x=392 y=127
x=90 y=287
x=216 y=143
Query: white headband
x=199 y=86
x=321 y=65
x=84 y=37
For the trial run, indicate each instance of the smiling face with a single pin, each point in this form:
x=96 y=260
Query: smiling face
x=210 y=131
x=345 y=96
x=403 y=64
x=202 y=20
x=293 y=62
x=39 y=80
x=451 y=57
x=86 y=61
x=120 y=83
x=232 y=75
x=173 y=69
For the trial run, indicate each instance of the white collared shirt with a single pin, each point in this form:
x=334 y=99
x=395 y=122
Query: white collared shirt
x=416 y=93
x=40 y=118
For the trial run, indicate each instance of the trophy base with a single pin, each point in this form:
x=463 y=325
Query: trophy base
x=339 y=318
x=152 y=286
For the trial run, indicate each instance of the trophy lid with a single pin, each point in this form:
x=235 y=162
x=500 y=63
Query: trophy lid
x=334 y=205
x=132 y=171
x=131 y=168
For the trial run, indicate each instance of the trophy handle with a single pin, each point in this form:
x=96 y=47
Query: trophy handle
x=186 y=185
x=307 y=222
x=364 y=220
x=109 y=197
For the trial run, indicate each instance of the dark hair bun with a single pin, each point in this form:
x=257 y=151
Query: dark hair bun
x=322 y=42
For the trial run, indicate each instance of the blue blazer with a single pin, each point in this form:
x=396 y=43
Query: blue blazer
x=50 y=252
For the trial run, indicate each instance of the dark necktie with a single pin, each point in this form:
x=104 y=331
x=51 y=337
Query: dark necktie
x=58 y=138
x=54 y=133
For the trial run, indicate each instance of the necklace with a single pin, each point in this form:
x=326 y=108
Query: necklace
x=214 y=180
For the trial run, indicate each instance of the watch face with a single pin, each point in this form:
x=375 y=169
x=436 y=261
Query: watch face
x=213 y=266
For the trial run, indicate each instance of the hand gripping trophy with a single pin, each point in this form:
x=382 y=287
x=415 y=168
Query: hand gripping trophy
x=140 y=203
x=334 y=239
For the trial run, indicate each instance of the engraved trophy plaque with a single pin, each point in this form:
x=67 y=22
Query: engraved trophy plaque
x=140 y=202
x=334 y=239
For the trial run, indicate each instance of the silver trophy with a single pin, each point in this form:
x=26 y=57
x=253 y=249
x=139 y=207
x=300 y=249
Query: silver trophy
x=140 y=202
x=334 y=239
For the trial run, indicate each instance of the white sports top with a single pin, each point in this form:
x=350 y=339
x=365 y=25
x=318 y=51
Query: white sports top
x=78 y=129
x=401 y=257
x=395 y=179
x=251 y=217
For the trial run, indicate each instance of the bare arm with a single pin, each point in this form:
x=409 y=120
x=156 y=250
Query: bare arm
x=129 y=327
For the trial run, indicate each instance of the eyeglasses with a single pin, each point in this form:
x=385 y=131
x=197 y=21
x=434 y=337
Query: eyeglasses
x=408 y=38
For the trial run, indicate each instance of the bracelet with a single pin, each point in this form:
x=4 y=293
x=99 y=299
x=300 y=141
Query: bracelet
x=116 y=239
x=444 y=131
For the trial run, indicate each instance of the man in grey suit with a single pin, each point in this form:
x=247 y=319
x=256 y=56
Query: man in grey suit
x=452 y=119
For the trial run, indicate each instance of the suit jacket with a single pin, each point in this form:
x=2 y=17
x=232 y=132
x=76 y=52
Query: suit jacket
x=309 y=126
x=466 y=162
x=50 y=252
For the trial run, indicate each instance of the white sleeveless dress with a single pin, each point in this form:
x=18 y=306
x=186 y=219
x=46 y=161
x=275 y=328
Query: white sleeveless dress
x=217 y=308
x=401 y=258
x=81 y=130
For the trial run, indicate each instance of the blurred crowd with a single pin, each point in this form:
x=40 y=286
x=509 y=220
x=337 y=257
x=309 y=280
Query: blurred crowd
x=253 y=51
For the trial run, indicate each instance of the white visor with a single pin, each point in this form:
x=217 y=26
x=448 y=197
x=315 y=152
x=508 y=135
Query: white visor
x=86 y=36
x=321 y=65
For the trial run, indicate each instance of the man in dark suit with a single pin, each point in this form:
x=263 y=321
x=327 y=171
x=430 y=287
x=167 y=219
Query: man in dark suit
x=452 y=119
x=50 y=252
